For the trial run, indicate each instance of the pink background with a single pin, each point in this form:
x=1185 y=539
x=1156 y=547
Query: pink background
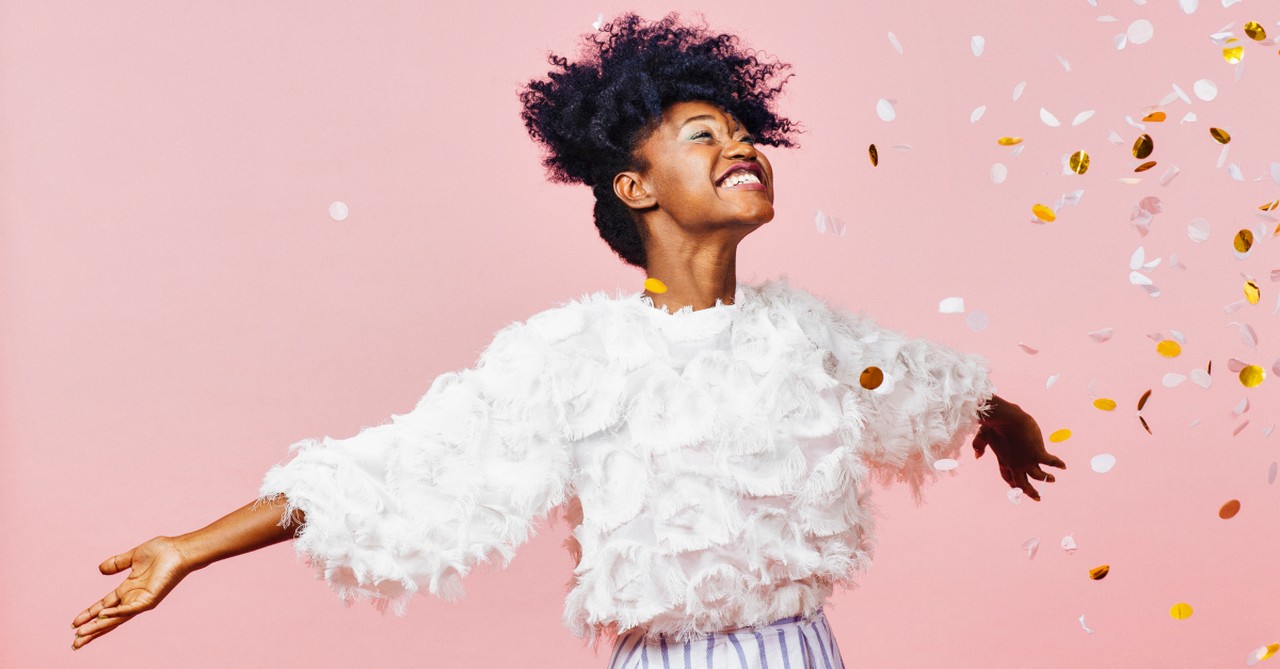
x=178 y=306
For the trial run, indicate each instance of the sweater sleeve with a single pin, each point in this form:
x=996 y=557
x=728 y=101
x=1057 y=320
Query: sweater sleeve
x=414 y=503
x=927 y=407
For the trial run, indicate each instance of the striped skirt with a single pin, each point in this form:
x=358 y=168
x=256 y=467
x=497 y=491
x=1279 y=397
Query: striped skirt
x=791 y=643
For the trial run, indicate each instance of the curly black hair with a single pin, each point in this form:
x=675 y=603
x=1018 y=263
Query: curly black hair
x=592 y=115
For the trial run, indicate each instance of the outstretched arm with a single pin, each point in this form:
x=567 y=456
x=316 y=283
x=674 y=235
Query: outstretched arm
x=1015 y=438
x=157 y=566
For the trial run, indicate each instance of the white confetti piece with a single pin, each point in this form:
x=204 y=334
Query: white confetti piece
x=951 y=305
x=885 y=110
x=1153 y=291
x=999 y=173
x=893 y=39
x=1247 y=334
x=1169 y=174
x=1198 y=230
x=1151 y=204
x=595 y=25
x=1015 y=495
x=1017 y=90
x=1234 y=170
x=1106 y=18
x=977 y=114
x=1228 y=3
x=976 y=44
x=1201 y=378
x=1205 y=90
x=1139 y=279
x=1172 y=380
x=1222 y=156
x=1234 y=365
x=1136 y=260
x=1178 y=337
x=1189 y=6
x=1030 y=546
x=1271 y=473
x=1082 y=117
x=1240 y=428
x=1048 y=118
x=1175 y=263
x=1140 y=126
x=1168 y=99
x=338 y=211
x=1053 y=378
x=1140 y=31
x=1193 y=423
x=1241 y=406
x=1069 y=543
x=1182 y=94
x=1101 y=335
x=1065 y=65
x=1275 y=173
x=885 y=387
x=1102 y=463
x=977 y=321
x=945 y=464
x=1028 y=349
x=1120 y=40
x=1235 y=306
x=1275 y=367
x=1266 y=431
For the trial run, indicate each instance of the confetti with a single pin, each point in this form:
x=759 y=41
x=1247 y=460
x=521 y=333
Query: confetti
x=654 y=286
x=1100 y=572
x=1255 y=31
x=598 y=22
x=976 y=44
x=977 y=321
x=1171 y=380
x=893 y=40
x=1243 y=241
x=1233 y=54
x=1240 y=428
x=1069 y=544
x=1145 y=166
x=1017 y=90
x=1028 y=349
x=1169 y=348
x=1142 y=401
x=1201 y=378
x=1169 y=174
x=1083 y=626
x=951 y=305
x=1144 y=424
x=1261 y=654
x=1079 y=162
x=999 y=173
x=945 y=464
x=1252 y=376
x=1102 y=463
x=1043 y=213
x=1048 y=118
x=1205 y=90
x=1154 y=117
x=1030 y=546
x=1271 y=473
x=1101 y=335
x=1009 y=141
x=874 y=155
x=1053 y=378
x=1219 y=135
x=1198 y=230
x=1015 y=495
x=977 y=114
x=1251 y=292
x=1189 y=6
x=1082 y=117
x=1059 y=436
x=1143 y=146
x=1241 y=406
x=885 y=110
x=1105 y=404
x=1140 y=31
x=871 y=378
x=1229 y=510
x=338 y=211
x=1180 y=611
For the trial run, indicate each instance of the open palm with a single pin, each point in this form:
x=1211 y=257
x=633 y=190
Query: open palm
x=155 y=567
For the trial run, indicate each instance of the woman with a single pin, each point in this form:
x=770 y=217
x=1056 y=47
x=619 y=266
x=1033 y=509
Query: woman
x=711 y=442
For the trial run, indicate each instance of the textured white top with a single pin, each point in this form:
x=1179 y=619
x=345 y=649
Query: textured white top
x=714 y=464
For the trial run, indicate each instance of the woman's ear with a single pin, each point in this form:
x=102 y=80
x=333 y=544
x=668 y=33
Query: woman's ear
x=630 y=188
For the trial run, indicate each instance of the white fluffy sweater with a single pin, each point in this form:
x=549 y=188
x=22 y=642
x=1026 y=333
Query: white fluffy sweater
x=714 y=464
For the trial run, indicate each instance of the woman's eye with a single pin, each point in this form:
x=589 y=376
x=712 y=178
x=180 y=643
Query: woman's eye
x=701 y=133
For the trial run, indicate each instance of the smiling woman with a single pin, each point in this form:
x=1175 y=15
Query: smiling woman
x=711 y=442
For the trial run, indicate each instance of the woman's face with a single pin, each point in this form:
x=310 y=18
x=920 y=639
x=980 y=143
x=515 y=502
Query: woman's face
x=691 y=175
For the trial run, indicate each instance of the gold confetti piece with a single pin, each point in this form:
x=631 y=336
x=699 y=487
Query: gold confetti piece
x=1009 y=141
x=1169 y=349
x=1255 y=31
x=871 y=378
x=1219 y=135
x=1208 y=368
x=1269 y=650
x=1270 y=206
x=654 y=286
x=1145 y=166
x=875 y=155
x=1252 y=375
x=1143 y=401
x=1180 y=611
x=1100 y=572
x=1243 y=241
x=1043 y=213
x=1105 y=404
x=1144 y=424
x=1229 y=510
x=1143 y=147
x=1079 y=162
x=1233 y=54
x=1156 y=117
x=1059 y=436
x=1251 y=292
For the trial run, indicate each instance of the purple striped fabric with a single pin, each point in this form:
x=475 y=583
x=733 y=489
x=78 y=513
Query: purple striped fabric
x=791 y=643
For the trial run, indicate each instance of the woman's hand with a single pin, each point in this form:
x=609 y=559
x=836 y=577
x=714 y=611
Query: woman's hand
x=1015 y=438
x=155 y=567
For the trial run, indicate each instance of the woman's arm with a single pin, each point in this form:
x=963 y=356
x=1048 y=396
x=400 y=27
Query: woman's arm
x=157 y=566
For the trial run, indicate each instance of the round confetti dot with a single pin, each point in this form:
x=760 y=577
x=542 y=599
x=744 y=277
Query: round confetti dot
x=871 y=378
x=884 y=109
x=1060 y=436
x=654 y=286
x=1180 y=611
x=1205 y=90
x=1105 y=404
x=1102 y=463
x=1243 y=241
x=1100 y=572
x=1252 y=375
x=1169 y=348
x=1255 y=31
x=1229 y=510
x=1143 y=146
x=886 y=387
x=945 y=464
x=976 y=320
x=1140 y=31
x=338 y=211
x=999 y=173
x=1079 y=162
x=1043 y=213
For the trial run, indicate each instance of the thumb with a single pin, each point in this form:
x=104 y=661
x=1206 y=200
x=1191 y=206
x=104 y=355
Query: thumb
x=116 y=563
x=980 y=441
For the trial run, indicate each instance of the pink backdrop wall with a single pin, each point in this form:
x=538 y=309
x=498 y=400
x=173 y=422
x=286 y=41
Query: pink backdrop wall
x=177 y=305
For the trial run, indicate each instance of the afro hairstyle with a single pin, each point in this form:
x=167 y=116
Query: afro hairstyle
x=592 y=115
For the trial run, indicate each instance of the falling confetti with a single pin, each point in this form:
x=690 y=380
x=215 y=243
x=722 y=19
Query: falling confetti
x=871 y=378
x=1140 y=31
x=1083 y=626
x=1082 y=117
x=655 y=286
x=977 y=321
x=1169 y=348
x=1059 y=436
x=1017 y=90
x=945 y=464
x=1243 y=241
x=1198 y=230
x=1262 y=653
x=1205 y=90
x=1143 y=146
x=1251 y=292
x=951 y=305
x=1009 y=141
x=1028 y=349
x=1069 y=543
x=1180 y=611
x=976 y=44
x=893 y=40
x=885 y=110
x=1143 y=400
x=1172 y=379
x=1271 y=473
x=1219 y=135
x=999 y=173
x=1030 y=546
x=1229 y=510
x=1079 y=162
x=1255 y=31
x=1048 y=118
x=1100 y=572
x=1105 y=404
x=338 y=211
x=875 y=155
x=1252 y=376
x=1102 y=463
x=977 y=114
x=1043 y=213
x=1015 y=495
x=1101 y=335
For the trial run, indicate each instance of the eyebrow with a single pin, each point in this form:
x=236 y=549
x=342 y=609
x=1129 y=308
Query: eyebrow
x=700 y=117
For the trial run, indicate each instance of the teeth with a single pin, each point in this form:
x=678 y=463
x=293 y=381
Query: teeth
x=740 y=176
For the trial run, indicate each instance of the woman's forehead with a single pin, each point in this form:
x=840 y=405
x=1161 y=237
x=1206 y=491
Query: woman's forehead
x=680 y=113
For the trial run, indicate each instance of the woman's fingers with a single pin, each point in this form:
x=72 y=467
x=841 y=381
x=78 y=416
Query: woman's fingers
x=129 y=609
x=81 y=639
x=1021 y=478
x=111 y=599
x=116 y=563
x=97 y=625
